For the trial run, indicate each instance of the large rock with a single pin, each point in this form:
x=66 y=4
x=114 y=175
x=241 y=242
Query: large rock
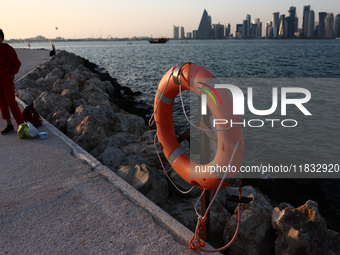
x=94 y=95
x=24 y=83
x=71 y=94
x=130 y=123
x=89 y=133
x=112 y=157
x=60 y=85
x=80 y=75
x=34 y=92
x=159 y=190
x=71 y=124
x=303 y=231
x=117 y=140
x=138 y=177
x=146 y=149
x=58 y=118
x=46 y=103
x=47 y=83
x=256 y=236
x=34 y=75
x=26 y=97
x=104 y=115
x=56 y=72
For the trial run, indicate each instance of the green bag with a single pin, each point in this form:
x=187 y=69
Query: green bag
x=27 y=130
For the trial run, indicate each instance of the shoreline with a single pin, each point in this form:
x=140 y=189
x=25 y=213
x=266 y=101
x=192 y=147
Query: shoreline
x=146 y=39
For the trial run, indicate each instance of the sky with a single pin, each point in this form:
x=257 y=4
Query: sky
x=127 y=18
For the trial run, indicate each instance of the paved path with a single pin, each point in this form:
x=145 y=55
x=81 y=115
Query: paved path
x=30 y=59
x=53 y=202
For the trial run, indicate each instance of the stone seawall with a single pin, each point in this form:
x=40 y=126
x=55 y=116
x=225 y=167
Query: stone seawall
x=100 y=115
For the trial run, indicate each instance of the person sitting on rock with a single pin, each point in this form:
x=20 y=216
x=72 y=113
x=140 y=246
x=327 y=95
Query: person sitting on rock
x=9 y=66
x=52 y=52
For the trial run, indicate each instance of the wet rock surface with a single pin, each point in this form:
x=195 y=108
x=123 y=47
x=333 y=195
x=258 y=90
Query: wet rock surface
x=303 y=231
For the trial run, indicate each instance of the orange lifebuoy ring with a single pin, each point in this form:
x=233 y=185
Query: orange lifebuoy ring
x=168 y=89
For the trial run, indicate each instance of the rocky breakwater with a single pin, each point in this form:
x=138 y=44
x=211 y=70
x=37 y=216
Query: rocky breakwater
x=87 y=105
x=100 y=115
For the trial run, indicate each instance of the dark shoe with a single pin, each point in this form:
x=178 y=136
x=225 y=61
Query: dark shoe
x=8 y=129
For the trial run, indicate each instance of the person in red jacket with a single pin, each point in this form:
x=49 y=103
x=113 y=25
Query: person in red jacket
x=9 y=66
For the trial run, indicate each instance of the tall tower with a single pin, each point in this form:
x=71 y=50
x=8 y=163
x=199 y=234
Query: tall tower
x=322 y=17
x=258 y=31
x=204 y=26
x=248 y=24
x=227 y=29
x=287 y=27
x=306 y=10
x=292 y=16
x=296 y=24
x=275 y=18
x=329 y=25
x=244 y=28
x=269 y=25
x=176 y=32
x=182 y=33
x=282 y=27
x=337 y=26
x=310 y=32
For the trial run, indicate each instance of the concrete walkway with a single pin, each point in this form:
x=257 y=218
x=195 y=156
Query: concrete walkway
x=55 y=198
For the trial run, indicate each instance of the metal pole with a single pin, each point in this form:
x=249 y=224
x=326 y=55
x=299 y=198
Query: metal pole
x=204 y=158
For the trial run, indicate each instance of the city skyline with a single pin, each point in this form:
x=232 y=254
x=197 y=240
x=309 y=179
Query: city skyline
x=103 y=18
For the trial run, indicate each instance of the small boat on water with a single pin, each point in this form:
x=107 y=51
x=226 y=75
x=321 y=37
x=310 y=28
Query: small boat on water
x=159 y=40
x=129 y=43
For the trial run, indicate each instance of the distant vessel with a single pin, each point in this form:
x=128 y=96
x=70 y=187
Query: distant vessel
x=129 y=43
x=159 y=40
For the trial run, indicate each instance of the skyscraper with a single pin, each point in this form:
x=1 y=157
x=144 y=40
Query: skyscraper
x=310 y=32
x=248 y=24
x=268 y=26
x=217 y=31
x=182 y=33
x=306 y=10
x=316 y=30
x=337 y=26
x=282 y=27
x=287 y=27
x=275 y=18
x=329 y=25
x=204 y=27
x=227 y=29
x=258 y=29
x=244 y=28
x=322 y=17
x=292 y=16
x=296 y=24
x=270 y=32
x=220 y=31
x=239 y=28
x=176 y=32
x=195 y=34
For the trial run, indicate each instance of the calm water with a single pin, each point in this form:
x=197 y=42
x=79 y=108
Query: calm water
x=316 y=139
